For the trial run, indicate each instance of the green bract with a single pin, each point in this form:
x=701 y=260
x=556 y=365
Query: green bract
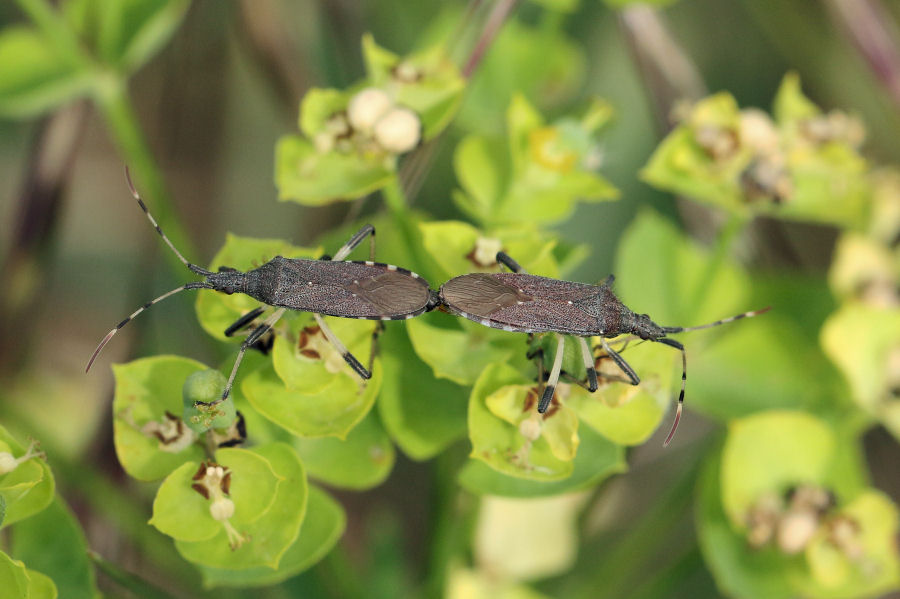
x=336 y=160
x=13 y=577
x=804 y=165
x=28 y=488
x=217 y=311
x=275 y=526
x=623 y=413
x=183 y=513
x=422 y=414
x=541 y=173
x=766 y=458
x=510 y=436
x=360 y=461
x=427 y=82
x=862 y=340
x=322 y=527
x=332 y=411
x=150 y=438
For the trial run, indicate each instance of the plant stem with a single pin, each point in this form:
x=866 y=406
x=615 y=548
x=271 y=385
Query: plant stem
x=118 y=112
x=132 y=582
x=725 y=241
x=495 y=21
x=618 y=566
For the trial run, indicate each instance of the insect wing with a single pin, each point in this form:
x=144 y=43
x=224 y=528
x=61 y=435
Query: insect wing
x=351 y=289
x=520 y=302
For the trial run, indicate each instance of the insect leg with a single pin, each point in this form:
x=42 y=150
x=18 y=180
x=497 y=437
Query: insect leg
x=342 y=349
x=505 y=259
x=354 y=241
x=252 y=338
x=379 y=328
x=243 y=321
x=608 y=281
x=588 y=356
x=680 y=405
x=633 y=378
x=554 y=375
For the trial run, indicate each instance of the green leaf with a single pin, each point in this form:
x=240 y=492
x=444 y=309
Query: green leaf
x=311 y=178
x=13 y=577
x=597 y=459
x=54 y=543
x=184 y=514
x=34 y=78
x=497 y=418
x=333 y=411
x=126 y=33
x=146 y=390
x=482 y=167
x=29 y=488
x=361 y=461
x=40 y=586
x=322 y=527
x=861 y=340
x=542 y=63
x=421 y=427
x=269 y=537
x=217 y=311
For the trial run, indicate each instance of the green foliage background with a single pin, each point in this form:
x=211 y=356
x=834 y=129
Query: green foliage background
x=717 y=157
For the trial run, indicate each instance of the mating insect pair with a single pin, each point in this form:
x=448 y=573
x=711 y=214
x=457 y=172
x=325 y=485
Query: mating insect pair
x=515 y=302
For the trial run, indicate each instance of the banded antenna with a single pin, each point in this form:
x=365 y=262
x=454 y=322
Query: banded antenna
x=192 y=267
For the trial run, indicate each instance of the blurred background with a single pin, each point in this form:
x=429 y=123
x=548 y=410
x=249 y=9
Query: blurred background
x=76 y=255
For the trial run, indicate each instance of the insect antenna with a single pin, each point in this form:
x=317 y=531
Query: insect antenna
x=669 y=330
x=134 y=192
x=109 y=335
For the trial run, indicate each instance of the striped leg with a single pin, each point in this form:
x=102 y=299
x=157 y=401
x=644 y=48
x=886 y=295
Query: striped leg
x=342 y=349
x=680 y=405
x=547 y=397
x=252 y=338
x=366 y=231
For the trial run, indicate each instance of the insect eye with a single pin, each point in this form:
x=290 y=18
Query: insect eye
x=229 y=290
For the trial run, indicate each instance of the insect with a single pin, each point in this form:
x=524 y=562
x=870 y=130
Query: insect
x=333 y=287
x=524 y=303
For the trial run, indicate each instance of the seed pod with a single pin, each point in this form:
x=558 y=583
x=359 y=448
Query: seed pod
x=399 y=130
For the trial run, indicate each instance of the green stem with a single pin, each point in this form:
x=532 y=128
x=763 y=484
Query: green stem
x=132 y=582
x=725 y=241
x=118 y=112
x=618 y=567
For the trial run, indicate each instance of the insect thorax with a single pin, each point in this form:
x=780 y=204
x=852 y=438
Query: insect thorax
x=613 y=317
x=262 y=283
